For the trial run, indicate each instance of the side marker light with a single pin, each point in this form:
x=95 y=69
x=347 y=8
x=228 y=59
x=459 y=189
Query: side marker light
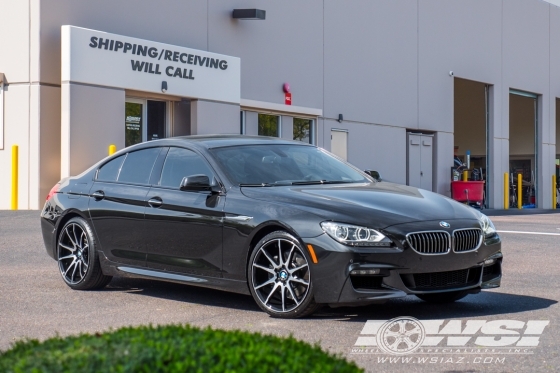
x=312 y=253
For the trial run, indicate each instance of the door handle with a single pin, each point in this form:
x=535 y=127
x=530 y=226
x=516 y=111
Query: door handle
x=98 y=195
x=155 y=202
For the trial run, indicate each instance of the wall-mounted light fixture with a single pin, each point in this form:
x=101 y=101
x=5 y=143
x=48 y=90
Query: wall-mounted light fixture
x=249 y=14
x=340 y=118
x=164 y=86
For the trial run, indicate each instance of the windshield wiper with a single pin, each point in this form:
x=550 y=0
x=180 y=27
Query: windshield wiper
x=341 y=182
x=256 y=185
x=315 y=182
x=308 y=182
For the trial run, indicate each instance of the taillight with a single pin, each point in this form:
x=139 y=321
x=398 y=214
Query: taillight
x=53 y=191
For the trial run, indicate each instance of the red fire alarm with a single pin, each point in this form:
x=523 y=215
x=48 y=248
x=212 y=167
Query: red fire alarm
x=288 y=98
x=287 y=94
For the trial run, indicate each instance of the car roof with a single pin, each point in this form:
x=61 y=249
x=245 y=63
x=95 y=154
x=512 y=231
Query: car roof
x=218 y=141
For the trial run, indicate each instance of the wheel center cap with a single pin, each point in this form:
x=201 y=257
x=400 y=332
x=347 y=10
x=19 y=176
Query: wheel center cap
x=283 y=275
x=79 y=254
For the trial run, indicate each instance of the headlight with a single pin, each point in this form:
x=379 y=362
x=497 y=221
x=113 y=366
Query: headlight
x=355 y=236
x=488 y=228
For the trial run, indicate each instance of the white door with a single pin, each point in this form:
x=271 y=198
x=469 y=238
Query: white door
x=414 y=163
x=426 y=159
x=339 y=143
x=419 y=160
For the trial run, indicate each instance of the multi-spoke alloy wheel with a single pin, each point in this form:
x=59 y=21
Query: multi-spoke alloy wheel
x=77 y=257
x=280 y=276
x=73 y=254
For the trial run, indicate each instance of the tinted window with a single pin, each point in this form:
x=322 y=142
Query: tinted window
x=302 y=129
x=110 y=170
x=268 y=125
x=283 y=165
x=138 y=166
x=180 y=163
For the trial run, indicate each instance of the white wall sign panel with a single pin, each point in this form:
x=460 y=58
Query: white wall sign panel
x=100 y=58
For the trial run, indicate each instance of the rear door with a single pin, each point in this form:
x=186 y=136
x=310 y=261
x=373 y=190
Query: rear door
x=184 y=228
x=117 y=205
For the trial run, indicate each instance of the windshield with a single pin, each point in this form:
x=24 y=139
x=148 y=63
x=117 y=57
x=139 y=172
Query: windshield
x=272 y=165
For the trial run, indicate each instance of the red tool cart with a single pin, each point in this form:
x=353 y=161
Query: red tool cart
x=469 y=192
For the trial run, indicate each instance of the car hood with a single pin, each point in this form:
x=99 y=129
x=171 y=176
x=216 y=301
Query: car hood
x=376 y=205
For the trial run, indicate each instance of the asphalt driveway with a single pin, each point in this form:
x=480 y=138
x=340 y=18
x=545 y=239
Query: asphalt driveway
x=35 y=303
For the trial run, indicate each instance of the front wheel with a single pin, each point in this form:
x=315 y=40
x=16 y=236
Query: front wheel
x=448 y=297
x=280 y=277
x=78 y=260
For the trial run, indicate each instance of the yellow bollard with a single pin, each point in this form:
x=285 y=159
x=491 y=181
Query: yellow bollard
x=506 y=191
x=112 y=149
x=14 y=177
x=519 y=194
x=465 y=175
x=554 y=201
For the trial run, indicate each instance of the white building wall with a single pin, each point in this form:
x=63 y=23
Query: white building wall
x=88 y=129
x=18 y=51
x=465 y=39
x=16 y=132
x=49 y=144
x=208 y=117
x=384 y=65
x=525 y=66
x=371 y=62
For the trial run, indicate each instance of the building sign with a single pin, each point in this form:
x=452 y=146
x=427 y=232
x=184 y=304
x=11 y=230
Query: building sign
x=112 y=60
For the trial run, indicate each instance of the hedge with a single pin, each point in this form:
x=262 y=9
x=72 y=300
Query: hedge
x=171 y=348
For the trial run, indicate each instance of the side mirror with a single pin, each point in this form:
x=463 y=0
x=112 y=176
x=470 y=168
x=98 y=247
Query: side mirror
x=196 y=183
x=375 y=174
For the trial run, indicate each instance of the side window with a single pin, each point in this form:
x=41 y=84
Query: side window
x=110 y=170
x=138 y=165
x=180 y=163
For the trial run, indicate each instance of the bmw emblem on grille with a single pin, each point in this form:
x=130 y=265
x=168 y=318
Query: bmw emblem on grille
x=444 y=224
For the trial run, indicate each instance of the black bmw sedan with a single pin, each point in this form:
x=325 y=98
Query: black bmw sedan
x=286 y=222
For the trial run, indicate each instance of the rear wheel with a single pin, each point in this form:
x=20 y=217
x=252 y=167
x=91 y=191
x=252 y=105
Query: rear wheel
x=78 y=260
x=280 y=277
x=448 y=297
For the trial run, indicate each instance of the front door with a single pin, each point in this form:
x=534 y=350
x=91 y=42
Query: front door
x=184 y=228
x=145 y=120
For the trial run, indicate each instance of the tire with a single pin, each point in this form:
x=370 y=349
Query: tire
x=448 y=297
x=282 y=288
x=77 y=257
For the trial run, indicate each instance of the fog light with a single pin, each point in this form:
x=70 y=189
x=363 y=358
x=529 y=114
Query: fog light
x=488 y=262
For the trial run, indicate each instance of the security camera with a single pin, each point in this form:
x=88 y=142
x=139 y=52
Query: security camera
x=451 y=73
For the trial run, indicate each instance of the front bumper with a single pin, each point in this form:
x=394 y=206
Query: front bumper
x=349 y=275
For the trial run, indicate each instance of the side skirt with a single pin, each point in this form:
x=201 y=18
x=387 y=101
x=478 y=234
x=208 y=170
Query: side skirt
x=114 y=269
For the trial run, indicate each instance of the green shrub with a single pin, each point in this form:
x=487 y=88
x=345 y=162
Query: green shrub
x=170 y=349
